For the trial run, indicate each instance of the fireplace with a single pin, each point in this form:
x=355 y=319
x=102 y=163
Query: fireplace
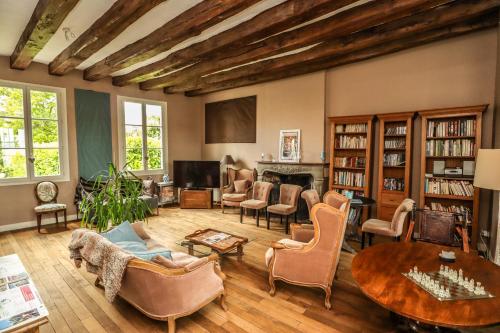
x=306 y=175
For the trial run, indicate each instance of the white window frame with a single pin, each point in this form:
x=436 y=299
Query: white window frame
x=62 y=128
x=121 y=134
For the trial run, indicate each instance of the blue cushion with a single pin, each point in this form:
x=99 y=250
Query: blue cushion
x=132 y=247
x=140 y=250
x=149 y=255
x=123 y=233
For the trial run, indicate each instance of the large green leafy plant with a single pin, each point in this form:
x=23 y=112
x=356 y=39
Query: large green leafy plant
x=114 y=199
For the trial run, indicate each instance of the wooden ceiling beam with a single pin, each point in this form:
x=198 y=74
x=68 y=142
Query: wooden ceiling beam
x=271 y=21
x=188 y=24
x=116 y=19
x=346 y=22
x=403 y=28
x=483 y=22
x=43 y=24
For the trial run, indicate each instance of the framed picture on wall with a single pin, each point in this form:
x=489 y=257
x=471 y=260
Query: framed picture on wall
x=289 y=146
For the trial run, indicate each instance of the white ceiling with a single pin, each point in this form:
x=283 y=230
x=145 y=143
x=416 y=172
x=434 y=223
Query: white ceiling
x=15 y=14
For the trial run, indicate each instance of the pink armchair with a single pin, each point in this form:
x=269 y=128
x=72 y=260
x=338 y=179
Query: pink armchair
x=310 y=264
x=305 y=232
x=239 y=188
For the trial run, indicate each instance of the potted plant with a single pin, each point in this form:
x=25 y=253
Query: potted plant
x=115 y=198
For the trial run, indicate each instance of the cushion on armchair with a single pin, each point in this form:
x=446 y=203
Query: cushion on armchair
x=123 y=233
x=148 y=187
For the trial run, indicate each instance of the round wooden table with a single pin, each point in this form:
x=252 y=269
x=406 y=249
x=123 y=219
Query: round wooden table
x=377 y=271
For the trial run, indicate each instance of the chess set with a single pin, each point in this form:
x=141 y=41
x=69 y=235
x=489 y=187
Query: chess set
x=448 y=284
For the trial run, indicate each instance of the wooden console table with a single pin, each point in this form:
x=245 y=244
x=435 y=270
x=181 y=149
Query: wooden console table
x=196 y=198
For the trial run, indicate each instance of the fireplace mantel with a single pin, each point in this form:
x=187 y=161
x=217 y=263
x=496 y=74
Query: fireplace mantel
x=319 y=171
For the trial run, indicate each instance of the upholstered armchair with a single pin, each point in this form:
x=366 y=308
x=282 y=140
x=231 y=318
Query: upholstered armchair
x=305 y=232
x=310 y=264
x=288 y=201
x=393 y=228
x=239 y=188
x=260 y=199
x=46 y=194
x=311 y=197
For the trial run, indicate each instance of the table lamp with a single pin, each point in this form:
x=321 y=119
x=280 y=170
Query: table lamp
x=487 y=176
x=225 y=161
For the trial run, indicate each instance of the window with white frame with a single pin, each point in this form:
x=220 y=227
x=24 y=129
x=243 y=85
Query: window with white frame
x=32 y=133
x=142 y=135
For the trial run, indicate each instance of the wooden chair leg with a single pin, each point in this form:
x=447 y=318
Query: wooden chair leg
x=409 y=234
x=286 y=225
x=171 y=325
x=39 y=221
x=295 y=217
x=57 y=220
x=363 y=240
x=328 y=292
x=65 y=219
x=222 y=206
x=258 y=215
x=281 y=219
x=241 y=214
x=268 y=218
x=370 y=239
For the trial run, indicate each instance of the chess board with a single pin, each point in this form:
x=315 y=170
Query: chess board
x=457 y=292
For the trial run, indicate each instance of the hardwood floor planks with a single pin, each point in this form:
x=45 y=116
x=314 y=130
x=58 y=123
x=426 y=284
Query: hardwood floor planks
x=76 y=305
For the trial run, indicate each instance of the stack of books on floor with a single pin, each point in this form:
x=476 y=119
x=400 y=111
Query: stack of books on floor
x=449 y=187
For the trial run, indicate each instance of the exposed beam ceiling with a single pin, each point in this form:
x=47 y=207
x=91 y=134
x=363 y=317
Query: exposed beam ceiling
x=401 y=29
x=44 y=22
x=267 y=23
x=188 y=24
x=346 y=22
x=457 y=29
x=121 y=15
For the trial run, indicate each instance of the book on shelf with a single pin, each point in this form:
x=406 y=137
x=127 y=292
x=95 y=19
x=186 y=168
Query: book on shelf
x=351 y=128
x=394 y=184
x=395 y=144
x=394 y=159
x=350 y=162
x=350 y=194
x=448 y=187
x=395 y=130
x=462 y=211
x=453 y=147
x=459 y=127
x=350 y=142
x=348 y=178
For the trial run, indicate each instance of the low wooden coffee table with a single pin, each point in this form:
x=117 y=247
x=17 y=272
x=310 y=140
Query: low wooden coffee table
x=229 y=244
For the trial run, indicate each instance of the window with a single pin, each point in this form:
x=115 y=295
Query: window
x=32 y=134
x=142 y=136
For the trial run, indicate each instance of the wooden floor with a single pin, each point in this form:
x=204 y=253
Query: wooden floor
x=75 y=305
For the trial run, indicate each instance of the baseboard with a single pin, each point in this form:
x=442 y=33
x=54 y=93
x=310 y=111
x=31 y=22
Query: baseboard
x=32 y=224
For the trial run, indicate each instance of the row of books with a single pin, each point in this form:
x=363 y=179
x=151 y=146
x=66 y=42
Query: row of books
x=351 y=128
x=394 y=159
x=395 y=130
x=456 y=147
x=350 y=194
x=394 y=184
x=348 y=178
x=445 y=186
x=345 y=141
x=395 y=143
x=350 y=162
x=460 y=209
x=462 y=127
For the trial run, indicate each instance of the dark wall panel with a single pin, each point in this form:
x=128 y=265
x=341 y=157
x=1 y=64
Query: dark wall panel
x=231 y=121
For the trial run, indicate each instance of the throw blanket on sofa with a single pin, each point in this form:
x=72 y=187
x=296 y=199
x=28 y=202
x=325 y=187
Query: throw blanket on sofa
x=102 y=257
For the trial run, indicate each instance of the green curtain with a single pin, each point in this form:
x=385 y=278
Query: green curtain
x=93 y=132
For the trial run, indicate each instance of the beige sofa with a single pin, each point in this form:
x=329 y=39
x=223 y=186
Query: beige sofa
x=168 y=293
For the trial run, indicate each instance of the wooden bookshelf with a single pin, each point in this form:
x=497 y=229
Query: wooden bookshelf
x=394 y=163
x=460 y=129
x=357 y=157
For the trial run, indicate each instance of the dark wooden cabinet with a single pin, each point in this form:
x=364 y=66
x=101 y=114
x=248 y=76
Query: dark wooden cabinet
x=196 y=198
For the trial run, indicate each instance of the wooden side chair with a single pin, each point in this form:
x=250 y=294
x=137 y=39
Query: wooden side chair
x=288 y=202
x=46 y=194
x=392 y=228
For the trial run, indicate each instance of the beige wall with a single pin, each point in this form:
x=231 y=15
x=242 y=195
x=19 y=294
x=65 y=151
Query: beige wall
x=17 y=202
x=455 y=72
x=295 y=103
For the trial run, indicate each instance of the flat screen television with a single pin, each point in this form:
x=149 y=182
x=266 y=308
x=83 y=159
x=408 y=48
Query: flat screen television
x=197 y=174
